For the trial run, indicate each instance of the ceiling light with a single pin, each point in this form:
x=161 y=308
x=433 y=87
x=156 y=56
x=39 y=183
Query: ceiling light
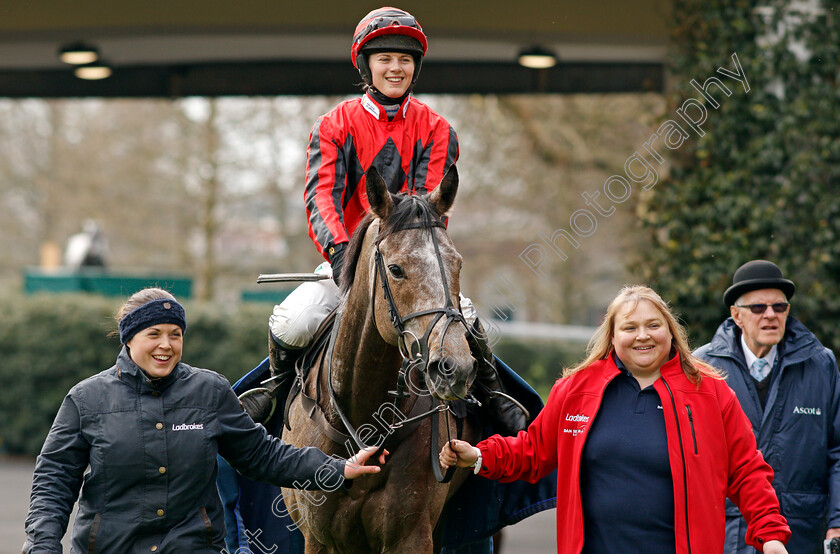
x=78 y=54
x=537 y=57
x=93 y=71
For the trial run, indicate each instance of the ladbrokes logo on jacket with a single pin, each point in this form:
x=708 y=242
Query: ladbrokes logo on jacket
x=187 y=426
x=575 y=424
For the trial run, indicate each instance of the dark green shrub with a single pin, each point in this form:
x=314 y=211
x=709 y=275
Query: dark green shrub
x=762 y=182
x=231 y=342
x=51 y=342
x=539 y=363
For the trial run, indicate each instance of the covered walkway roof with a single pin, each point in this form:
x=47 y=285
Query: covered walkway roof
x=173 y=48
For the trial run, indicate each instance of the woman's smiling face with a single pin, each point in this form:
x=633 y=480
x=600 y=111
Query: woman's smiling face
x=641 y=338
x=157 y=349
x=391 y=72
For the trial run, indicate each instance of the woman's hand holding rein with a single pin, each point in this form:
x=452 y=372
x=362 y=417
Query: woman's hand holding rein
x=458 y=453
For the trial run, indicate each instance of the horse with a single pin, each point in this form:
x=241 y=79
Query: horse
x=398 y=326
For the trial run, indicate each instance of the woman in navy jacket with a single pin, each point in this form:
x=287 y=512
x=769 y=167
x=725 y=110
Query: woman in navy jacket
x=140 y=439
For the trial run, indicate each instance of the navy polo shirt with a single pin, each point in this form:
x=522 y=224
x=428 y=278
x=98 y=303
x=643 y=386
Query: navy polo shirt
x=625 y=477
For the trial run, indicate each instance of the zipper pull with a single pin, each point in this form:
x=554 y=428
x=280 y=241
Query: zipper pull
x=691 y=424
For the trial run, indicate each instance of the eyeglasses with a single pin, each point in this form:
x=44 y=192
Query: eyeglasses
x=778 y=307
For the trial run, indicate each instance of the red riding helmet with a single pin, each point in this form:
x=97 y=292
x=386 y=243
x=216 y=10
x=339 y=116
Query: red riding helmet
x=387 y=30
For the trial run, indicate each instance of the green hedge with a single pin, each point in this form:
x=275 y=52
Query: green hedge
x=51 y=342
x=762 y=180
x=539 y=363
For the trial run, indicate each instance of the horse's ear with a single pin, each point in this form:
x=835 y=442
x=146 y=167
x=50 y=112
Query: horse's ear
x=381 y=203
x=443 y=196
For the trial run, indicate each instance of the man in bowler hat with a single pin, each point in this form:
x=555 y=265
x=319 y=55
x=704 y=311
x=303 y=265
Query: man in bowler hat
x=789 y=387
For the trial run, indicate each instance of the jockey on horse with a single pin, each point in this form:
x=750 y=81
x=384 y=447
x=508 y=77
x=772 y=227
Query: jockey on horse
x=412 y=147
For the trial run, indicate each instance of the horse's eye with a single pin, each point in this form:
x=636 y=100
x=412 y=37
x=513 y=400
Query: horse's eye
x=396 y=271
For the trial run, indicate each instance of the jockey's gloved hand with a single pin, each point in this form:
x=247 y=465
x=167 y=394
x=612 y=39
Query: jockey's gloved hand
x=336 y=254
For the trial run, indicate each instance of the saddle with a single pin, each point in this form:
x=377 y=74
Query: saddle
x=260 y=402
x=324 y=336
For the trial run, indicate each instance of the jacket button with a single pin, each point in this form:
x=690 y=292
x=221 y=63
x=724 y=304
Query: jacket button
x=155 y=393
x=154 y=549
x=159 y=425
x=160 y=512
x=162 y=470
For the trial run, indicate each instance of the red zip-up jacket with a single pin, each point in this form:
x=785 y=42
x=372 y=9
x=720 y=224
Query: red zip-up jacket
x=412 y=152
x=711 y=449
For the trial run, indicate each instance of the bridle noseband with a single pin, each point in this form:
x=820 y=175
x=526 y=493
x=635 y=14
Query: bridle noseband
x=420 y=355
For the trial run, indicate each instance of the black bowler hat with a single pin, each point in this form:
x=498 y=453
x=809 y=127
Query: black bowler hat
x=756 y=275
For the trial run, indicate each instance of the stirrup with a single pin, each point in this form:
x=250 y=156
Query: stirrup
x=512 y=400
x=260 y=391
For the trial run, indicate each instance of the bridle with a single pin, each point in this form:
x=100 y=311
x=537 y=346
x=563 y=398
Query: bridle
x=415 y=354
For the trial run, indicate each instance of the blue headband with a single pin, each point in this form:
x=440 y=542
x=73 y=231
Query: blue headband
x=162 y=310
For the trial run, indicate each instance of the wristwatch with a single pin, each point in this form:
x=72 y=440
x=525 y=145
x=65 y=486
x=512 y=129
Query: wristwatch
x=477 y=465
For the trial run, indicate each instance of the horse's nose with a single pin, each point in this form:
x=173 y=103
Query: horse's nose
x=450 y=378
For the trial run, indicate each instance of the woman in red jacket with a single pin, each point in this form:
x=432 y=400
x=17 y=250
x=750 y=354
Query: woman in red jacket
x=648 y=442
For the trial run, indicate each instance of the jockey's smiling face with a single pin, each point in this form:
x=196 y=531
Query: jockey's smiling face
x=391 y=72
x=157 y=349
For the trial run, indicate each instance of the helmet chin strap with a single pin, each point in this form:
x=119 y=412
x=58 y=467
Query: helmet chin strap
x=384 y=99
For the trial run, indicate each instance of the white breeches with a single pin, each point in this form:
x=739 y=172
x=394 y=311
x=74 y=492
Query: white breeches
x=295 y=320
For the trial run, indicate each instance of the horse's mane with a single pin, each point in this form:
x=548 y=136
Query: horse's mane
x=408 y=208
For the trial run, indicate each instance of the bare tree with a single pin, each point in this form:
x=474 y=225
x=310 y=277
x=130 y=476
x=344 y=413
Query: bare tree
x=214 y=188
x=525 y=162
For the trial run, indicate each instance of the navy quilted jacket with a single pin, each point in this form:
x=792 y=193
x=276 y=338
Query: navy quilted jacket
x=150 y=449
